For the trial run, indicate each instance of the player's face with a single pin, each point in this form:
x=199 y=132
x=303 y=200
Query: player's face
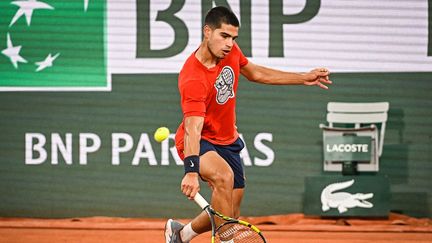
x=220 y=41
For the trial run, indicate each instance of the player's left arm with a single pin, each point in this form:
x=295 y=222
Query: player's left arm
x=265 y=75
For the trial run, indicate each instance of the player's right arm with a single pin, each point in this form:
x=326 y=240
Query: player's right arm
x=193 y=126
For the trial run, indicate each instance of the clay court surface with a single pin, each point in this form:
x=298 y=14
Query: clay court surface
x=277 y=229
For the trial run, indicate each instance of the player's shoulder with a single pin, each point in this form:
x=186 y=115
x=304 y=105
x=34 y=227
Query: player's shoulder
x=190 y=68
x=191 y=74
x=190 y=63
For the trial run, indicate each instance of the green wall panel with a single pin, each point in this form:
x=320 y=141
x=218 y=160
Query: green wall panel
x=141 y=103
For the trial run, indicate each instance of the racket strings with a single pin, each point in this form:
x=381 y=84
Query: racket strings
x=237 y=233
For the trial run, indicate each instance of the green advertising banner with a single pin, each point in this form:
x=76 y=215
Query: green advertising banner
x=128 y=174
x=53 y=45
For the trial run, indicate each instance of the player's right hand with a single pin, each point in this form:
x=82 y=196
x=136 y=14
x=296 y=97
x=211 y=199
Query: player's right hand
x=190 y=185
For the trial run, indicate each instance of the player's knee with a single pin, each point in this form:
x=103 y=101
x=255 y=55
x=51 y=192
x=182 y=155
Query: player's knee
x=223 y=181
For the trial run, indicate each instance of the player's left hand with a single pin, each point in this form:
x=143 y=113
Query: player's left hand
x=319 y=77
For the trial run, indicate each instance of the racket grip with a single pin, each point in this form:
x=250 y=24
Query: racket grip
x=201 y=201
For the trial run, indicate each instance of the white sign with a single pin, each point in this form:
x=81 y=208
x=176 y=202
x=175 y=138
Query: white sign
x=345 y=36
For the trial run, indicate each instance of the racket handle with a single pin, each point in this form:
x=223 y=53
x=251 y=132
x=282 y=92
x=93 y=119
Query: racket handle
x=201 y=201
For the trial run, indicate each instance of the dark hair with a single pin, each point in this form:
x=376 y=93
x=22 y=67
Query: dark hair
x=218 y=15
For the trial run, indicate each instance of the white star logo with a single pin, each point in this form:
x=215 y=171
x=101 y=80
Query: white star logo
x=26 y=8
x=13 y=52
x=48 y=62
x=86 y=5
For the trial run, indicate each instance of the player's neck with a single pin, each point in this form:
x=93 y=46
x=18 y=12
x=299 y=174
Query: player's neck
x=205 y=57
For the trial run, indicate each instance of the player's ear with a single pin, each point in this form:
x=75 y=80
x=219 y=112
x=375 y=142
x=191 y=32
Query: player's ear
x=207 y=31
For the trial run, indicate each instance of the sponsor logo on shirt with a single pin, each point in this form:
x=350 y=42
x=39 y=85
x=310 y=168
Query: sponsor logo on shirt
x=225 y=85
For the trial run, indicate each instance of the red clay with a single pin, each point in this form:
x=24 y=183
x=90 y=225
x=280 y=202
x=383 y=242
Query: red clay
x=277 y=229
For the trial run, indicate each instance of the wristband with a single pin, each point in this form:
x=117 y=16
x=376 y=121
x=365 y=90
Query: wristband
x=191 y=164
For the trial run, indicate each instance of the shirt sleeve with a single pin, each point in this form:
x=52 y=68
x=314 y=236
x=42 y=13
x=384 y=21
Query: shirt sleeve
x=193 y=98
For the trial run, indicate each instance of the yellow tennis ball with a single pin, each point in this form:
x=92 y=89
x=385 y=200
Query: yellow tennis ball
x=161 y=134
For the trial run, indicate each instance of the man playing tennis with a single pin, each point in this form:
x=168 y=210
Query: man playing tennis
x=207 y=139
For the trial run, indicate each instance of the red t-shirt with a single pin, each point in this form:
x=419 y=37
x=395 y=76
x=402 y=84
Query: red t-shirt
x=211 y=93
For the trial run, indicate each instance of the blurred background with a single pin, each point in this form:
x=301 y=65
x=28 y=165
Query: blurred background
x=84 y=84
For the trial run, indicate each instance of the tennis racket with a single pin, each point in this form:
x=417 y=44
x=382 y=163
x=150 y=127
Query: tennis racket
x=232 y=230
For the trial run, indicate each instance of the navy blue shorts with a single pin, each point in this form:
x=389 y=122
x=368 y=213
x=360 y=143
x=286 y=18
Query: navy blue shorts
x=231 y=154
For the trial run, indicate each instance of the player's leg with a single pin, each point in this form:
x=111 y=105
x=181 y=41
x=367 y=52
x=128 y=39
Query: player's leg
x=216 y=171
x=237 y=199
x=231 y=154
x=229 y=171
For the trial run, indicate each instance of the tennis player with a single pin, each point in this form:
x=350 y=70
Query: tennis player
x=207 y=139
